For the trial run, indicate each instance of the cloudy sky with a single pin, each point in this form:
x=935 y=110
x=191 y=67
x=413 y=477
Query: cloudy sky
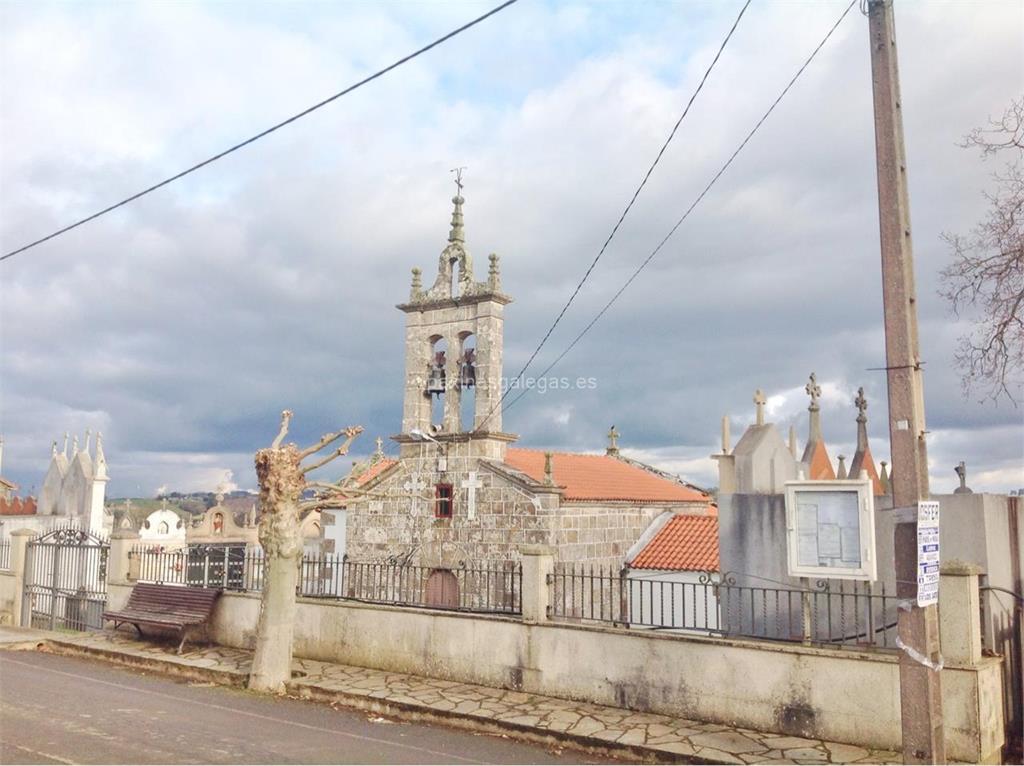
x=181 y=326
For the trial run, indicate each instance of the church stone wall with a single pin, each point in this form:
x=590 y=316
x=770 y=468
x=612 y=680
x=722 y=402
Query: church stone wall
x=391 y=522
x=602 y=534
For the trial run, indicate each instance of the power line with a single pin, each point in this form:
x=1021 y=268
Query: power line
x=693 y=205
x=268 y=131
x=622 y=217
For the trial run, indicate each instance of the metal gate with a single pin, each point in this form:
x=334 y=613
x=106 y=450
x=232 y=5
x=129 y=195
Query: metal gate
x=65 y=580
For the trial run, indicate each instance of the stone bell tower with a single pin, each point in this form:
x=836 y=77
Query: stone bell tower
x=453 y=351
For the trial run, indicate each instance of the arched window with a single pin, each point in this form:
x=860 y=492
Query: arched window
x=437 y=379
x=164 y=528
x=218 y=523
x=467 y=381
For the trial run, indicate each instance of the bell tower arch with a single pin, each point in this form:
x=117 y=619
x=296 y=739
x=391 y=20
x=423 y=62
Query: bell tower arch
x=453 y=350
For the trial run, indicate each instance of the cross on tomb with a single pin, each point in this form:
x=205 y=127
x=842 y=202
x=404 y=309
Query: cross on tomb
x=759 y=402
x=414 y=486
x=813 y=390
x=861 y=403
x=471 y=485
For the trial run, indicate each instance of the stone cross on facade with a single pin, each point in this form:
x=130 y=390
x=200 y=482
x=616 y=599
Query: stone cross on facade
x=862 y=405
x=414 y=486
x=759 y=402
x=814 y=391
x=471 y=485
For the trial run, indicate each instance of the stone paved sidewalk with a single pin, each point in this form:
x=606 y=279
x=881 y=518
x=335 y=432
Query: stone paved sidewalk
x=618 y=732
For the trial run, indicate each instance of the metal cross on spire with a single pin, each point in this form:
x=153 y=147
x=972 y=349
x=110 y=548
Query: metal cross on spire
x=458 y=177
x=814 y=391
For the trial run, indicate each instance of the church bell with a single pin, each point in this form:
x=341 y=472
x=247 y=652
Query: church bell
x=436 y=379
x=467 y=370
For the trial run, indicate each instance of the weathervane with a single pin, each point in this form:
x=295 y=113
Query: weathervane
x=458 y=177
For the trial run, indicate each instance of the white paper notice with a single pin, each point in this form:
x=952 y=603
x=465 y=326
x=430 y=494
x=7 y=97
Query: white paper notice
x=927 y=552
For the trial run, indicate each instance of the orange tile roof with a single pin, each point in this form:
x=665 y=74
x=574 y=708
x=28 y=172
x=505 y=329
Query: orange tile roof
x=600 y=477
x=375 y=470
x=820 y=463
x=686 y=542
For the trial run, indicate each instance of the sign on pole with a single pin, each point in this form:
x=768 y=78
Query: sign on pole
x=927 y=552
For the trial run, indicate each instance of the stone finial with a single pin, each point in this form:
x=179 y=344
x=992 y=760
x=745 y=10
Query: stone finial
x=494 y=273
x=417 y=284
x=74 y=445
x=725 y=435
x=961 y=471
x=759 y=402
x=53 y=449
x=549 y=469
x=883 y=479
x=814 y=391
x=613 y=442
x=792 y=441
x=380 y=448
x=65 y=450
x=100 y=467
x=841 y=473
x=457 y=233
x=88 y=440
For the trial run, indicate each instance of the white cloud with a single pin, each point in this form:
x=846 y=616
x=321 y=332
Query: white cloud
x=181 y=325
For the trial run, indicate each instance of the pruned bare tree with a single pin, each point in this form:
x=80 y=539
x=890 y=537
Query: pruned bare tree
x=282 y=479
x=986 y=278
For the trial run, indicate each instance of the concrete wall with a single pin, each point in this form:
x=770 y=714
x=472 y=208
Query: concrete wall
x=8 y=582
x=847 y=696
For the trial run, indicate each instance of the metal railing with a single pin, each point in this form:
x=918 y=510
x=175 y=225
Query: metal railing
x=491 y=588
x=834 y=613
x=5 y=554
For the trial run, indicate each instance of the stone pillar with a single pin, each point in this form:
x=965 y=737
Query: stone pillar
x=959 y=614
x=20 y=539
x=538 y=563
x=726 y=474
x=121 y=568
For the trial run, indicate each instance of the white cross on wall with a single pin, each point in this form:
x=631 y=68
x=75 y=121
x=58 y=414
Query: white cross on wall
x=472 y=484
x=414 y=486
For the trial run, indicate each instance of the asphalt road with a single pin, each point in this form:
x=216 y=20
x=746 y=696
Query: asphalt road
x=67 y=710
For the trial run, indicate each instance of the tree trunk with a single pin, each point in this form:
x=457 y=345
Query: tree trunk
x=280 y=535
x=272 y=664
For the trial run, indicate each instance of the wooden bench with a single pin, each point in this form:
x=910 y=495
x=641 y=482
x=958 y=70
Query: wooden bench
x=166 y=606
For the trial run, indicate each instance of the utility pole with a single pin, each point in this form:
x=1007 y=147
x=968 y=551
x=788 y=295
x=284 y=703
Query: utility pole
x=920 y=661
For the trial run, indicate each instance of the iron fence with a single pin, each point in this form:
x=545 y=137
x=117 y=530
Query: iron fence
x=492 y=588
x=834 y=613
x=5 y=554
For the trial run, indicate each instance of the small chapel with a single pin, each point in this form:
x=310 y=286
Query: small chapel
x=459 y=491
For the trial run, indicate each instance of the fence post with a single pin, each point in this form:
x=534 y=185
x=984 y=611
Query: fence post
x=538 y=563
x=960 y=613
x=121 y=568
x=20 y=539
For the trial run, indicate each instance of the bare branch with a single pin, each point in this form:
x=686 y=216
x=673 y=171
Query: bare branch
x=985 y=282
x=326 y=439
x=286 y=418
x=350 y=434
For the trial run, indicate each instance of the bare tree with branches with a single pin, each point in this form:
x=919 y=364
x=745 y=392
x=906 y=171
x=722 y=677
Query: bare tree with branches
x=987 y=273
x=282 y=479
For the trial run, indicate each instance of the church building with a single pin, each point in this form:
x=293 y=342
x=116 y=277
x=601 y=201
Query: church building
x=459 y=491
